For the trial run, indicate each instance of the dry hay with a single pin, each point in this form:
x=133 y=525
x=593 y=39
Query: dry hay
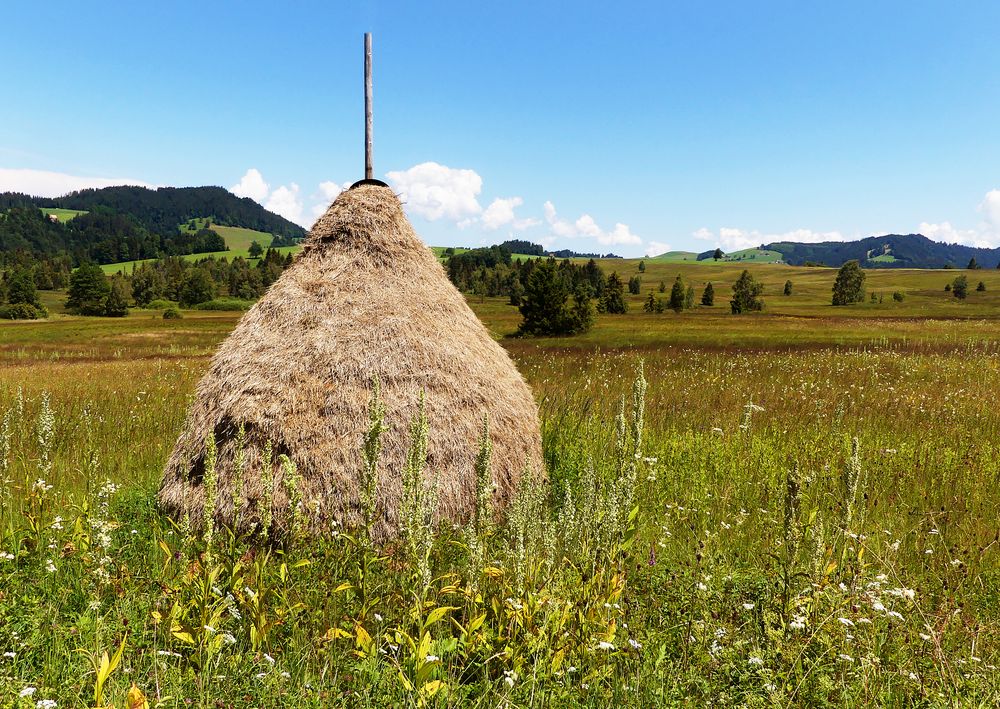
x=366 y=298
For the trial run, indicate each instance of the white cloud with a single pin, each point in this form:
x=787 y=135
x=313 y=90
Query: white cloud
x=732 y=239
x=655 y=248
x=500 y=213
x=252 y=185
x=586 y=226
x=42 y=183
x=435 y=191
x=328 y=191
x=286 y=202
x=990 y=208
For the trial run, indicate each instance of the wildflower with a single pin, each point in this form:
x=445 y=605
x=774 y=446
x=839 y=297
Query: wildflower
x=756 y=661
x=798 y=623
x=877 y=605
x=50 y=567
x=913 y=676
x=27 y=692
x=605 y=645
x=925 y=637
x=11 y=655
x=509 y=676
x=229 y=639
x=895 y=614
x=285 y=675
x=845 y=657
x=6 y=556
x=846 y=622
x=378 y=618
x=46 y=704
x=209 y=629
x=636 y=645
x=748 y=606
x=702 y=587
x=269 y=658
x=433 y=658
x=57 y=523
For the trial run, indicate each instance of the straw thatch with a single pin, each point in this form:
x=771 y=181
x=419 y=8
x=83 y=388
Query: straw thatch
x=366 y=298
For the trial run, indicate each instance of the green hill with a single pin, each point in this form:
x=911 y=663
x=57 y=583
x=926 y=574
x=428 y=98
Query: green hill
x=676 y=256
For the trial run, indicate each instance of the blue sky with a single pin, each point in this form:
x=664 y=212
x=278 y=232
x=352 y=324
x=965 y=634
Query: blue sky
x=630 y=128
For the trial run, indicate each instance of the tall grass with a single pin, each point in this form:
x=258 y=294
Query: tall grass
x=834 y=543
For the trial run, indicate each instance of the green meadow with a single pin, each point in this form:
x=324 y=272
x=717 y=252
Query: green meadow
x=63 y=215
x=790 y=508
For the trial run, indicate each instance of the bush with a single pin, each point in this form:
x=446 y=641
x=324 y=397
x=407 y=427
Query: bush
x=21 y=311
x=160 y=304
x=172 y=314
x=898 y=297
x=224 y=304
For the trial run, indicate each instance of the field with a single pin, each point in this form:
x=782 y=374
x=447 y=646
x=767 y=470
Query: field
x=237 y=239
x=63 y=215
x=794 y=508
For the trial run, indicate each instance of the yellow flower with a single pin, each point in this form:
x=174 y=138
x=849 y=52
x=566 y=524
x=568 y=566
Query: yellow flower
x=136 y=699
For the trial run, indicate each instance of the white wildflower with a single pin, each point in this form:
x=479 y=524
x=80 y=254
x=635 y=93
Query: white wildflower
x=605 y=645
x=756 y=661
x=27 y=691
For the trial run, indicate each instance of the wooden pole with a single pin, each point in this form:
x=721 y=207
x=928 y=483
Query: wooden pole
x=369 y=169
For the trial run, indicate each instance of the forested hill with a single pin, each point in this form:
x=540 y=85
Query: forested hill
x=161 y=210
x=128 y=223
x=892 y=251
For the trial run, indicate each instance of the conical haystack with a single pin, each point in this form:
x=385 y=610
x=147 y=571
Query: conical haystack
x=366 y=298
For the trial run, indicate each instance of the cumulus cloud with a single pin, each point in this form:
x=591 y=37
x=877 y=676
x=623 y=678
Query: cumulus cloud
x=500 y=213
x=655 y=248
x=286 y=202
x=42 y=183
x=585 y=226
x=434 y=191
x=327 y=192
x=990 y=209
x=733 y=239
x=252 y=185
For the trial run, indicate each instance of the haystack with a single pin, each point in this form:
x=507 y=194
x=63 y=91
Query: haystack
x=365 y=299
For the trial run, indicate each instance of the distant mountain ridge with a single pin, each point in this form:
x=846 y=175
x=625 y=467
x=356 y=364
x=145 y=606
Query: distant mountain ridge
x=129 y=223
x=890 y=251
x=161 y=210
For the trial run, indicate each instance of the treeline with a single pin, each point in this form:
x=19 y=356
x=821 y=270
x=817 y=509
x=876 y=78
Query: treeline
x=492 y=272
x=28 y=235
x=161 y=210
x=168 y=281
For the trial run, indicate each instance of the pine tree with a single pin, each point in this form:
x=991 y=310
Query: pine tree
x=788 y=288
x=746 y=294
x=717 y=255
x=972 y=264
x=613 y=299
x=88 y=289
x=677 y=295
x=642 y=267
x=650 y=304
x=116 y=304
x=689 y=298
x=708 y=297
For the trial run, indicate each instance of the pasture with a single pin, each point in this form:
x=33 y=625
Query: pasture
x=794 y=508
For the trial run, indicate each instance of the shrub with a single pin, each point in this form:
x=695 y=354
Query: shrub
x=224 y=304
x=788 y=288
x=898 y=297
x=981 y=287
x=21 y=311
x=172 y=314
x=161 y=304
x=960 y=287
